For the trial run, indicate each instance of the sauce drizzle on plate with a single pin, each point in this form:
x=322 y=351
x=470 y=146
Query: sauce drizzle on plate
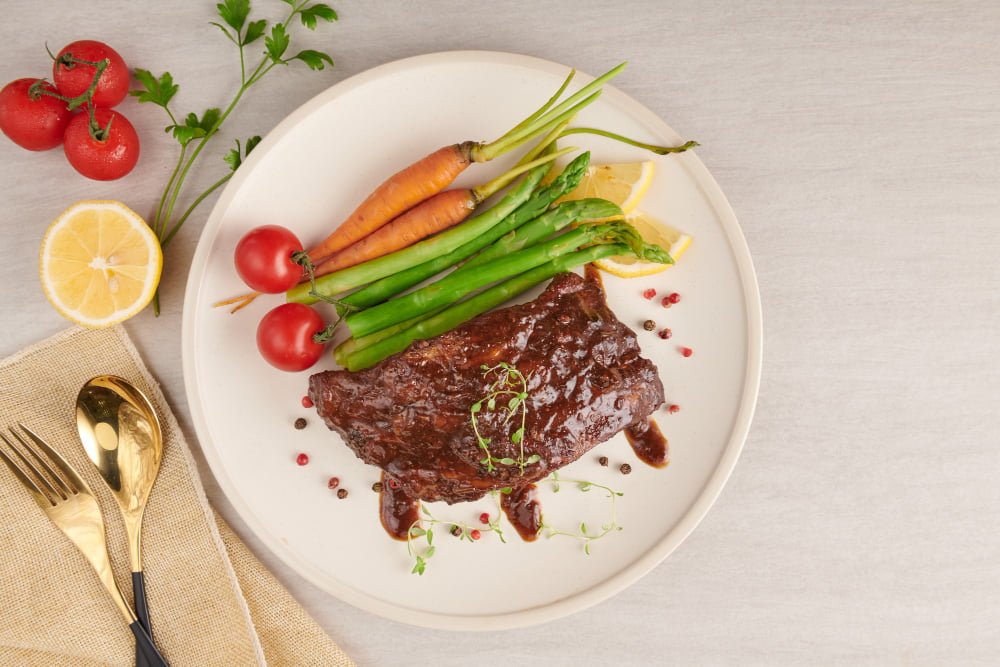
x=649 y=443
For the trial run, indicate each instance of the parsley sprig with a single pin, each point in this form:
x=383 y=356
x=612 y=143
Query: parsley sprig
x=509 y=384
x=193 y=131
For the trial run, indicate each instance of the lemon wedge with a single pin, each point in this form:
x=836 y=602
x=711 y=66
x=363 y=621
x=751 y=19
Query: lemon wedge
x=624 y=183
x=673 y=240
x=99 y=263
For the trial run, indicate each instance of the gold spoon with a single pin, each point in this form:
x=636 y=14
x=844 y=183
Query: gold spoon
x=121 y=434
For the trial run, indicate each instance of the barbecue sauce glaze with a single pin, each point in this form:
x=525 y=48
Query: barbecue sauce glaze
x=398 y=511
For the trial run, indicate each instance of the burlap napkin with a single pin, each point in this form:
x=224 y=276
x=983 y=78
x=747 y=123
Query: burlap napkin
x=211 y=602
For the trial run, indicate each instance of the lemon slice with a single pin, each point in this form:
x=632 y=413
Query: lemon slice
x=99 y=263
x=673 y=240
x=624 y=184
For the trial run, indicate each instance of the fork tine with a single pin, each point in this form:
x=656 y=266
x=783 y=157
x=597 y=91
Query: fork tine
x=21 y=475
x=75 y=484
x=53 y=482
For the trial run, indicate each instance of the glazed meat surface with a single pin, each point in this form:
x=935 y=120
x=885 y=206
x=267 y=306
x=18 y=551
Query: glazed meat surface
x=410 y=416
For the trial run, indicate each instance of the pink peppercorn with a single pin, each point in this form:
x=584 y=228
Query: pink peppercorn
x=302 y=459
x=649 y=294
x=673 y=297
x=665 y=333
x=687 y=351
x=673 y=408
x=307 y=402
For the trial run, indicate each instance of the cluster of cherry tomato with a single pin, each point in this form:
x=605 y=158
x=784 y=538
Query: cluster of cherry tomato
x=76 y=112
x=286 y=336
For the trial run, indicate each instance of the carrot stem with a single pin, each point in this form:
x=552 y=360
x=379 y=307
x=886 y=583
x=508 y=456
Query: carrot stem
x=545 y=107
x=659 y=150
x=502 y=146
x=499 y=146
x=487 y=190
x=548 y=142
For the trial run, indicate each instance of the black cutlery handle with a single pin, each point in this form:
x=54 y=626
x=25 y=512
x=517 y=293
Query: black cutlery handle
x=139 y=598
x=146 y=653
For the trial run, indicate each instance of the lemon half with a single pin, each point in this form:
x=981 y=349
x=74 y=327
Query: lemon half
x=671 y=239
x=99 y=263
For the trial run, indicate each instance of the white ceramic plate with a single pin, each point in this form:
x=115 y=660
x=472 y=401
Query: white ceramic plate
x=307 y=175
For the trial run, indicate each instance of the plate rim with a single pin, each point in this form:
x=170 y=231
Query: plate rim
x=614 y=584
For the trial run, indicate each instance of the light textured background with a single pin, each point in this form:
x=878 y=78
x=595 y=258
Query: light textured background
x=860 y=147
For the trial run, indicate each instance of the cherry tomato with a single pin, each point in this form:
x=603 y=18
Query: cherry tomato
x=285 y=337
x=36 y=123
x=103 y=159
x=72 y=79
x=264 y=259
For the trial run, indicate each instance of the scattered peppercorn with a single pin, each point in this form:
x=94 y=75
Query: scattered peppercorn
x=484 y=518
x=377 y=487
x=649 y=325
x=475 y=534
x=649 y=294
x=342 y=494
x=603 y=461
x=666 y=302
x=333 y=483
x=393 y=484
x=302 y=459
x=300 y=424
x=665 y=333
x=687 y=351
x=307 y=402
x=625 y=468
x=456 y=531
x=673 y=408
x=673 y=297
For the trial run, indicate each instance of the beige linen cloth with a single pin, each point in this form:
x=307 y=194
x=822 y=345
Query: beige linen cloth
x=211 y=601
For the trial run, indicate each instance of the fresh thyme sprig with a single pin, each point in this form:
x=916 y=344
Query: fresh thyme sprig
x=424 y=527
x=585 y=535
x=509 y=382
x=195 y=131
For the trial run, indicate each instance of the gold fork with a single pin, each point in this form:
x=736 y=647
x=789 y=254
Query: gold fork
x=71 y=506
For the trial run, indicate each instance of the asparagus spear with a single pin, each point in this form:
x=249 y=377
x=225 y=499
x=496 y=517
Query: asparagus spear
x=462 y=312
x=456 y=285
x=387 y=287
x=337 y=282
x=543 y=226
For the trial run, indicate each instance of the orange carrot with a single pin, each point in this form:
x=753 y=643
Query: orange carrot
x=433 y=173
x=400 y=192
x=437 y=213
x=432 y=215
